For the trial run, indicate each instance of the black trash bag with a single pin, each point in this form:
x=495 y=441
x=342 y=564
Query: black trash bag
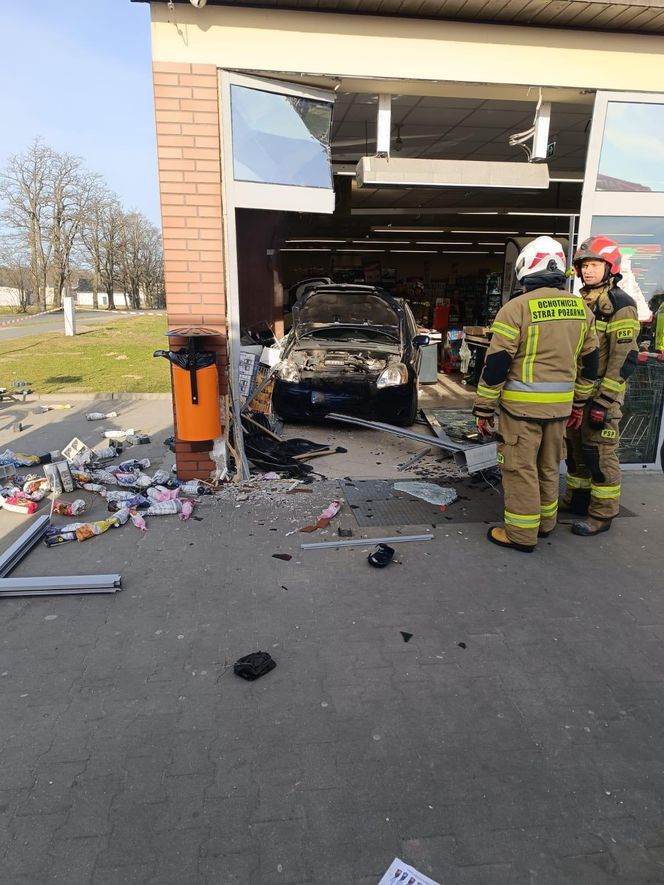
x=270 y=454
x=253 y=666
x=183 y=358
x=299 y=446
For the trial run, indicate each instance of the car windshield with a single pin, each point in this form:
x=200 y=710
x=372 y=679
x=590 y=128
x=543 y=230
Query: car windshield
x=351 y=334
x=353 y=314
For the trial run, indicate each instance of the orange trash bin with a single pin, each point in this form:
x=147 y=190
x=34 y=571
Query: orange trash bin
x=195 y=392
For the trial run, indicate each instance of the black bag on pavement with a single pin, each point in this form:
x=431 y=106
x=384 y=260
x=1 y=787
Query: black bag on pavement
x=252 y=666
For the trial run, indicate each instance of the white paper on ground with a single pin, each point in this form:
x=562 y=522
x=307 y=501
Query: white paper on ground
x=400 y=873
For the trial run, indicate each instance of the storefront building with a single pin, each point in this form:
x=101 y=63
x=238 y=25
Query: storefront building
x=402 y=143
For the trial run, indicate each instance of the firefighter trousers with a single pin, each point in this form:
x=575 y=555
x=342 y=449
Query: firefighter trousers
x=529 y=453
x=593 y=469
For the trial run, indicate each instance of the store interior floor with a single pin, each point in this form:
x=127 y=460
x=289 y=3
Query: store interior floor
x=372 y=454
x=448 y=392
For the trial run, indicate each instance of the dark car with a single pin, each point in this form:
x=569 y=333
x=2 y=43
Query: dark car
x=352 y=349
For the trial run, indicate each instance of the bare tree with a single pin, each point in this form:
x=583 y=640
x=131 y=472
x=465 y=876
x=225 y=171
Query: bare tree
x=73 y=191
x=153 y=270
x=93 y=232
x=141 y=261
x=16 y=273
x=112 y=218
x=26 y=189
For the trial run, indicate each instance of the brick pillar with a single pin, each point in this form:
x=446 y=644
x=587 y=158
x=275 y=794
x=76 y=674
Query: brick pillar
x=186 y=99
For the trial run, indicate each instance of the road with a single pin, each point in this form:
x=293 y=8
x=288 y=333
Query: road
x=54 y=322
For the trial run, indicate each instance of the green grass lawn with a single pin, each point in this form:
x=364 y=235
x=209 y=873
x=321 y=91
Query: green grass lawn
x=114 y=358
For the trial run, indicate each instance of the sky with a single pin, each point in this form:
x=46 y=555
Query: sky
x=78 y=74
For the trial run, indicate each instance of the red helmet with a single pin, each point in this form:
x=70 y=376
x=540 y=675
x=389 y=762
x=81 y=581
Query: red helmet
x=601 y=249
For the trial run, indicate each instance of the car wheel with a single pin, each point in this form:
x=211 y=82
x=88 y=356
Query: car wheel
x=407 y=417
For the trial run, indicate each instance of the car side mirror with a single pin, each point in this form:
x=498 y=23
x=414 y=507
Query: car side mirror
x=421 y=340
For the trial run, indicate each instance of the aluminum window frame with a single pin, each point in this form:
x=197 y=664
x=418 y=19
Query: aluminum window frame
x=260 y=195
x=596 y=203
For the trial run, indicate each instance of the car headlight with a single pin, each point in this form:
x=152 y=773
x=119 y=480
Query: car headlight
x=288 y=371
x=395 y=374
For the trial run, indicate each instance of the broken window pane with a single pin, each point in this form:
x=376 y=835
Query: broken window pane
x=280 y=139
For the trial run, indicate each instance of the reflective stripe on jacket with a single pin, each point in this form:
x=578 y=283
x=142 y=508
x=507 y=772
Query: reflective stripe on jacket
x=617 y=325
x=542 y=357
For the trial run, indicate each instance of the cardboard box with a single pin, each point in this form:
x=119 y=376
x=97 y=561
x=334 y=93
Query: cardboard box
x=270 y=356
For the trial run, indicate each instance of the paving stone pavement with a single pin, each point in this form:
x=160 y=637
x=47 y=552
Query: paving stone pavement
x=532 y=756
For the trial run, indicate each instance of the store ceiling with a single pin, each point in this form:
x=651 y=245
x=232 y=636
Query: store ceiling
x=634 y=16
x=454 y=128
x=437 y=127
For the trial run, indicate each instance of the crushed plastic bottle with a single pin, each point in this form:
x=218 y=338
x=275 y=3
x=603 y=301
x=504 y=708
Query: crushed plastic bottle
x=162 y=478
x=105 y=453
x=134 y=502
x=134 y=464
x=99 y=416
x=194 y=487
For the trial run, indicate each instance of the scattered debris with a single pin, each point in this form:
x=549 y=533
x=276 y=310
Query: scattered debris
x=324 y=518
x=118 y=434
x=254 y=665
x=76 y=450
x=15 y=553
x=99 y=416
x=428 y=491
x=15 y=504
x=462 y=645
x=474 y=457
x=406 y=636
x=47 y=586
x=285 y=556
x=400 y=873
x=411 y=461
x=69 y=508
x=60 y=585
x=381 y=556
x=344 y=532
x=51 y=407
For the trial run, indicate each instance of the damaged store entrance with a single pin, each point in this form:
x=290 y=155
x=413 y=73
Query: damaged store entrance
x=439 y=250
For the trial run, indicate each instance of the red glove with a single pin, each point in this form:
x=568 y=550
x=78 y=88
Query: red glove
x=660 y=356
x=643 y=356
x=485 y=426
x=576 y=418
x=597 y=416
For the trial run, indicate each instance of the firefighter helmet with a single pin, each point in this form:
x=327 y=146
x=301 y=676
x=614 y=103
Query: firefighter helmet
x=544 y=255
x=599 y=248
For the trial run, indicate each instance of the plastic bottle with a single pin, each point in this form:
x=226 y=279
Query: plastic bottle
x=99 y=416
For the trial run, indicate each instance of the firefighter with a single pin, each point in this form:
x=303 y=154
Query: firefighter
x=593 y=471
x=539 y=370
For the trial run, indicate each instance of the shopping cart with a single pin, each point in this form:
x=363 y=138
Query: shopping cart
x=642 y=413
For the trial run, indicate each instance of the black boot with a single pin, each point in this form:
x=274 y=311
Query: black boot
x=592 y=525
x=578 y=503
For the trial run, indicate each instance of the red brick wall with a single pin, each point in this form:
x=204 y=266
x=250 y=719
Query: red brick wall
x=186 y=100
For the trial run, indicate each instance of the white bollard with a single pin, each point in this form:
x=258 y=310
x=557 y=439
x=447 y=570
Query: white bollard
x=69 y=310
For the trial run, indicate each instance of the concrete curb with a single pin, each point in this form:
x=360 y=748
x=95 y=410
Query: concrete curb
x=82 y=397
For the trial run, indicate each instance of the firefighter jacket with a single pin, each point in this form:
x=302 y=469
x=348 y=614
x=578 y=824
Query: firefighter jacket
x=617 y=325
x=542 y=358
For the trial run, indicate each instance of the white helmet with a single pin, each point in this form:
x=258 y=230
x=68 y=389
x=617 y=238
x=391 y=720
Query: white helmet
x=543 y=255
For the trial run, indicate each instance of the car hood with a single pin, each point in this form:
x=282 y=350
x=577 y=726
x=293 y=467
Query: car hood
x=336 y=308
